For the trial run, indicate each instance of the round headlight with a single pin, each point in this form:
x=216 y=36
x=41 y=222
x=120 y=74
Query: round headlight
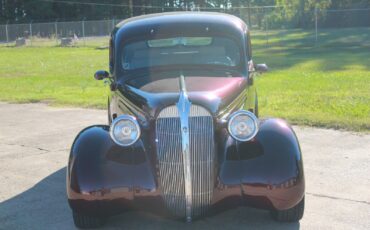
x=125 y=130
x=243 y=125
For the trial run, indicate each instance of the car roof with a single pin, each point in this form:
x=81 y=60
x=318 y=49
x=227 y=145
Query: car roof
x=181 y=22
x=183 y=16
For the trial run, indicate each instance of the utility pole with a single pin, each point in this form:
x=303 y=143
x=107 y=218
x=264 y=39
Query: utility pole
x=316 y=25
x=31 y=33
x=7 y=32
x=56 y=31
x=266 y=30
x=83 y=31
x=172 y=5
x=249 y=14
x=131 y=8
x=199 y=4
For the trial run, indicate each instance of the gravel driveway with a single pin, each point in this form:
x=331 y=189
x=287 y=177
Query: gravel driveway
x=34 y=145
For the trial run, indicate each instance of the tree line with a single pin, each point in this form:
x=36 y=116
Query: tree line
x=279 y=13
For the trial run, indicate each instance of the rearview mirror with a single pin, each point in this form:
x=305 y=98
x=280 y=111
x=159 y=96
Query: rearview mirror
x=101 y=74
x=261 y=68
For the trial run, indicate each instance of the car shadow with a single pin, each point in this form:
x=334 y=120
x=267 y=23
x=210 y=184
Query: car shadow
x=44 y=206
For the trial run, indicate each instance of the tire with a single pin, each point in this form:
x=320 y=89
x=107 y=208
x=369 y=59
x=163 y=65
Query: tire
x=84 y=221
x=290 y=215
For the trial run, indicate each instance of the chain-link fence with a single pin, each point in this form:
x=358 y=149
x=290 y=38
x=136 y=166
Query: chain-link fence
x=270 y=26
x=337 y=28
x=77 y=33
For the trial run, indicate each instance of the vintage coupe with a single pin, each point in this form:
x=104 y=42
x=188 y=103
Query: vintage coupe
x=184 y=139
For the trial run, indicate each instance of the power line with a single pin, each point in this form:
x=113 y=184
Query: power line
x=84 y=3
x=345 y=10
x=153 y=7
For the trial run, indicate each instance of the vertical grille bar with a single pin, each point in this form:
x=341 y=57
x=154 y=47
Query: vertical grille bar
x=171 y=163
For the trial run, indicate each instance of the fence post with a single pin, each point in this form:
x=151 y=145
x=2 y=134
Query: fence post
x=249 y=14
x=83 y=31
x=131 y=6
x=266 y=29
x=31 y=33
x=7 y=33
x=315 y=25
x=56 y=31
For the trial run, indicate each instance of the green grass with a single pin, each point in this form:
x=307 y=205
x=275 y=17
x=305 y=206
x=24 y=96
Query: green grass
x=101 y=41
x=325 y=85
x=331 y=90
x=59 y=76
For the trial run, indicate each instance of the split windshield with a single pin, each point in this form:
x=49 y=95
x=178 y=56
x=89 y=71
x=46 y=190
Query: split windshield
x=191 y=51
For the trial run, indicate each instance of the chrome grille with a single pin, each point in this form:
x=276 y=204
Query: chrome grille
x=170 y=159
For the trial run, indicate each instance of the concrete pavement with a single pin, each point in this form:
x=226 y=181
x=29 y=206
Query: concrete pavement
x=34 y=145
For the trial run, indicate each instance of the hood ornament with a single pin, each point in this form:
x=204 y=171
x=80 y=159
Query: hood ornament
x=183 y=106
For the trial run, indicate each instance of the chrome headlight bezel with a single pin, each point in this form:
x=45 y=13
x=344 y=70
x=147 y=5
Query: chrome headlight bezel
x=117 y=121
x=255 y=122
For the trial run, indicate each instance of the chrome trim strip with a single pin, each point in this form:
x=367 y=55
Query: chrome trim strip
x=185 y=151
x=171 y=160
x=183 y=106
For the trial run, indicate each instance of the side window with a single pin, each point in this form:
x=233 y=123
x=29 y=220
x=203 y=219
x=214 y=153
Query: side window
x=111 y=55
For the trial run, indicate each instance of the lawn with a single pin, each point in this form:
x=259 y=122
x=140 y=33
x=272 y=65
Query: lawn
x=318 y=87
x=59 y=76
x=324 y=85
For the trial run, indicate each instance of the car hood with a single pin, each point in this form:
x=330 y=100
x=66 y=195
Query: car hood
x=214 y=93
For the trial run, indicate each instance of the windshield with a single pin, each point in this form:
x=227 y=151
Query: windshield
x=192 y=51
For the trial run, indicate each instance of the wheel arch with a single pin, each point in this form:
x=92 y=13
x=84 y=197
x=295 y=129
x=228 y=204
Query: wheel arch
x=272 y=167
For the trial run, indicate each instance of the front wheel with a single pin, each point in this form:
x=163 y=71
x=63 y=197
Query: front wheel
x=84 y=221
x=290 y=215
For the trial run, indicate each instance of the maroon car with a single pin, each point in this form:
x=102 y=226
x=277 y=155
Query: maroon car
x=184 y=139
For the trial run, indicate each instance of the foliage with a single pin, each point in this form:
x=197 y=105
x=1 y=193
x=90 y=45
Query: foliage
x=18 y=11
x=288 y=13
x=298 y=13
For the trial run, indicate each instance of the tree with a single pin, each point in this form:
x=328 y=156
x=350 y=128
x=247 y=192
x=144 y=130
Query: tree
x=299 y=13
x=294 y=13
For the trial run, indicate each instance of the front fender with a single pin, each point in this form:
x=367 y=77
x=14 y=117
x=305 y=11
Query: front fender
x=272 y=167
x=101 y=175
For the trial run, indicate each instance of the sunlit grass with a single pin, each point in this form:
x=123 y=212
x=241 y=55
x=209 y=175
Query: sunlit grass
x=298 y=38
x=337 y=99
x=61 y=76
